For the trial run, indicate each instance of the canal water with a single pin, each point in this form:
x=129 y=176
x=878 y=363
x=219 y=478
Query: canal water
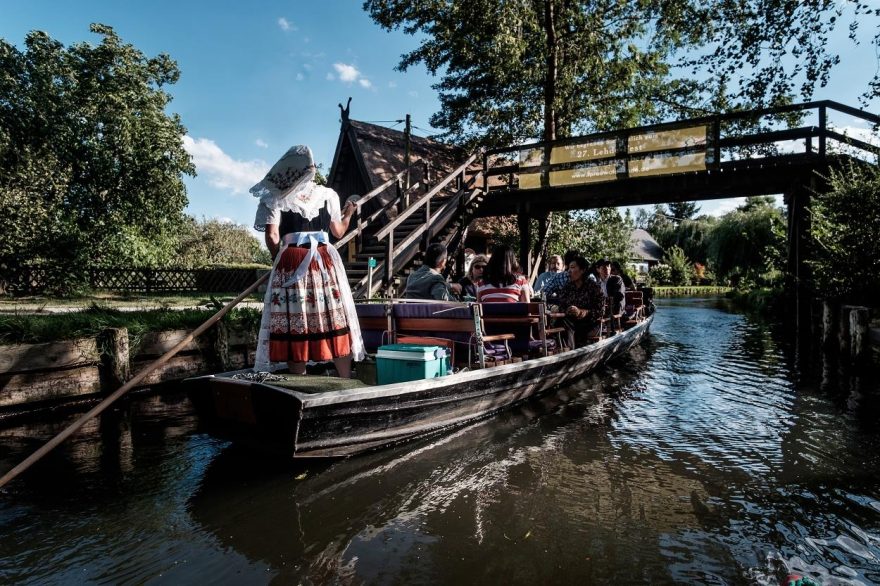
x=712 y=454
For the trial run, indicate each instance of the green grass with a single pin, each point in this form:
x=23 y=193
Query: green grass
x=23 y=328
x=690 y=291
x=117 y=300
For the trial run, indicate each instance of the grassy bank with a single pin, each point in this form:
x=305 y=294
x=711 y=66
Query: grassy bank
x=115 y=301
x=691 y=291
x=22 y=328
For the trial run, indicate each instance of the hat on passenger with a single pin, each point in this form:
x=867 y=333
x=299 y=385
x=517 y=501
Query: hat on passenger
x=292 y=171
x=602 y=262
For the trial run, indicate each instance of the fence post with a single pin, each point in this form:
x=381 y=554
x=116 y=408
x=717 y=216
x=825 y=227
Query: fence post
x=823 y=123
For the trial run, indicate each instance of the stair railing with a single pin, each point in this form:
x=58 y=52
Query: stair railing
x=354 y=238
x=387 y=232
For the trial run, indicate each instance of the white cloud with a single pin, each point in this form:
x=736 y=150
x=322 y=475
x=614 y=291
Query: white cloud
x=300 y=77
x=330 y=76
x=261 y=143
x=286 y=25
x=221 y=170
x=412 y=93
x=392 y=84
x=224 y=220
x=347 y=73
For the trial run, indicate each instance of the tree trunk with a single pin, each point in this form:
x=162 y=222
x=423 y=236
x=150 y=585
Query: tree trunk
x=550 y=80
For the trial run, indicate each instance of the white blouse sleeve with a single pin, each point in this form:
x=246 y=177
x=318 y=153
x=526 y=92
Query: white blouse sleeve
x=266 y=216
x=333 y=204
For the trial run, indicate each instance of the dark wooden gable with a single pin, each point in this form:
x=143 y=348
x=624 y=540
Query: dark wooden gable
x=367 y=155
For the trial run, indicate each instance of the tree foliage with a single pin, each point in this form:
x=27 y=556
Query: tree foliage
x=845 y=224
x=747 y=245
x=595 y=234
x=511 y=70
x=683 y=210
x=211 y=242
x=680 y=268
x=90 y=162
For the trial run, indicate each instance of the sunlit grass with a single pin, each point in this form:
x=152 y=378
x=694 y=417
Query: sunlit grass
x=17 y=328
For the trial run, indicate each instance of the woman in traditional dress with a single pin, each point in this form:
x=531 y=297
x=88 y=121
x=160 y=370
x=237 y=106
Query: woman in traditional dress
x=308 y=312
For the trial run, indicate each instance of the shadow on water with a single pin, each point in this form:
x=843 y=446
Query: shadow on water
x=704 y=456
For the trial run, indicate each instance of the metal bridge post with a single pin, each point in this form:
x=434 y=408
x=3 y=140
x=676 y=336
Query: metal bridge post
x=823 y=129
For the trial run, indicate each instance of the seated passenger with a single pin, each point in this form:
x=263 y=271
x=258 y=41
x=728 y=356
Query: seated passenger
x=615 y=287
x=475 y=273
x=581 y=300
x=554 y=284
x=554 y=266
x=500 y=280
x=426 y=282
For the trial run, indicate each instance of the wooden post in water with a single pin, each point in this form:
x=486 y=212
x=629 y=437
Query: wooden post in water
x=828 y=325
x=859 y=347
x=114 y=348
x=843 y=332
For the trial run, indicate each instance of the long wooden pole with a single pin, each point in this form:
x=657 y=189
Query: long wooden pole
x=100 y=407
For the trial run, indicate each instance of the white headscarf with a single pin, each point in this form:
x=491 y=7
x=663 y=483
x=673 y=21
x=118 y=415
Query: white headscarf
x=289 y=185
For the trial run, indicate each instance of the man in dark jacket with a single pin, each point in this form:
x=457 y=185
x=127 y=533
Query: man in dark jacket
x=427 y=282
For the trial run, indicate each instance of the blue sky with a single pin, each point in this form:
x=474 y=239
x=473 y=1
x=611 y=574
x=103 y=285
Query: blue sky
x=257 y=77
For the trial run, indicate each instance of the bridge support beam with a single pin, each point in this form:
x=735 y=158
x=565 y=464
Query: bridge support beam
x=798 y=200
x=525 y=240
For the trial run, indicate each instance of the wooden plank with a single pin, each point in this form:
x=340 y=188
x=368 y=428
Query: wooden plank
x=158 y=343
x=52 y=355
x=21 y=389
x=434 y=324
x=177 y=368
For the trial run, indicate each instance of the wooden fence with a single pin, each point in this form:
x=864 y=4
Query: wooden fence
x=35 y=280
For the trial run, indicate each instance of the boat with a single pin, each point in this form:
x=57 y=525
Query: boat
x=303 y=416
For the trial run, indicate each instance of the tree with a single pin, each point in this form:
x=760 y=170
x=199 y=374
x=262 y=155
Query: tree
x=680 y=268
x=595 y=234
x=747 y=246
x=212 y=242
x=88 y=155
x=683 y=210
x=845 y=224
x=525 y=69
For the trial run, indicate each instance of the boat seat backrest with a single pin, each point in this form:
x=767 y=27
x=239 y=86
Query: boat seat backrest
x=445 y=320
x=517 y=321
x=375 y=322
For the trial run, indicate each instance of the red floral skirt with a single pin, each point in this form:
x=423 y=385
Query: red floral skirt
x=307 y=320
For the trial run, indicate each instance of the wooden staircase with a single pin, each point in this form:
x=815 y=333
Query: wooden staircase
x=438 y=213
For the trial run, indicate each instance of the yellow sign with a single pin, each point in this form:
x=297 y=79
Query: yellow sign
x=529 y=180
x=530 y=157
x=681 y=138
x=661 y=165
x=594 y=174
x=585 y=151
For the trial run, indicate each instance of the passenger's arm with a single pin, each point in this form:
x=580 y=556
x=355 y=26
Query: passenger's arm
x=440 y=291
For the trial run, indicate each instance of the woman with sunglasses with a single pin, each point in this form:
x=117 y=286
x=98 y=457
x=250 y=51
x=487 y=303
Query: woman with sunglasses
x=475 y=273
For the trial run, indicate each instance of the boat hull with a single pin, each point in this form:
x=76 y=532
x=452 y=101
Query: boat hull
x=347 y=422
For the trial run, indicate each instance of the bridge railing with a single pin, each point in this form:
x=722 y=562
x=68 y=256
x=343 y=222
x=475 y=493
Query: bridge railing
x=685 y=146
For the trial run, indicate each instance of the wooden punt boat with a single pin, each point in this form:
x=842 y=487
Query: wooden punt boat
x=322 y=417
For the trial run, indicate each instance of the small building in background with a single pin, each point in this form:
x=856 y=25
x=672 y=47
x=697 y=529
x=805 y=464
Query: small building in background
x=644 y=253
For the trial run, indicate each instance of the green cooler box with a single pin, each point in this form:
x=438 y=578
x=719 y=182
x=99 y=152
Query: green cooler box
x=397 y=363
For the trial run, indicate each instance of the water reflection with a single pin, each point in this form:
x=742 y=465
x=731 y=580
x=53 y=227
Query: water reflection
x=703 y=457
